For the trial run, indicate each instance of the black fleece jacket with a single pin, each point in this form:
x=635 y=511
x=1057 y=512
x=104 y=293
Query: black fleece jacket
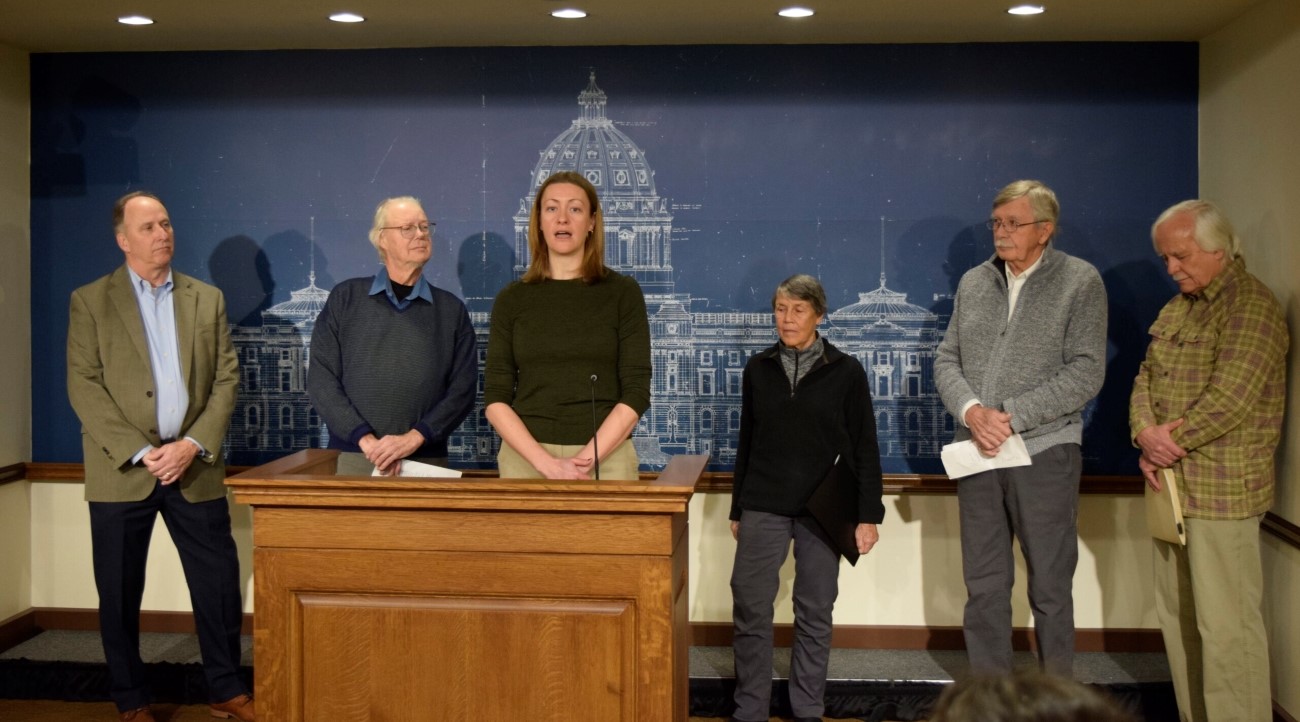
x=789 y=438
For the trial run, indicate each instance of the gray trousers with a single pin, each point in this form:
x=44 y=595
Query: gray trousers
x=1039 y=505
x=761 y=549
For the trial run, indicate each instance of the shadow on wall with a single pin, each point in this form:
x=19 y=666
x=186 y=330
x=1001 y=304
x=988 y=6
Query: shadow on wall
x=485 y=264
x=242 y=271
x=1130 y=287
x=965 y=251
x=86 y=143
x=294 y=269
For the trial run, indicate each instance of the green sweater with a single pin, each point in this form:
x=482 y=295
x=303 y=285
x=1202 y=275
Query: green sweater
x=546 y=341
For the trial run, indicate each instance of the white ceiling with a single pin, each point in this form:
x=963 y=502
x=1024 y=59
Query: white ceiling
x=90 y=25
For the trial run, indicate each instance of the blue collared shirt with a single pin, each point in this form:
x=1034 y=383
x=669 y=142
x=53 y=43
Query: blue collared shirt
x=158 y=313
x=383 y=284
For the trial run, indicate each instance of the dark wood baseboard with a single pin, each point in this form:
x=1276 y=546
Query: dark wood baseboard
x=18 y=629
x=718 y=634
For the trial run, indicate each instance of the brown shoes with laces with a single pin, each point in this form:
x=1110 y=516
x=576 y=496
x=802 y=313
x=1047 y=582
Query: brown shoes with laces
x=140 y=714
x=240 y=708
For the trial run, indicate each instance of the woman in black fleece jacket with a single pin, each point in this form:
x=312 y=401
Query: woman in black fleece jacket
x=805 y=404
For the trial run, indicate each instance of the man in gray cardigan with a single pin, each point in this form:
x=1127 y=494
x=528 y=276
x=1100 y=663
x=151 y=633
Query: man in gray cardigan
x=1024 y=352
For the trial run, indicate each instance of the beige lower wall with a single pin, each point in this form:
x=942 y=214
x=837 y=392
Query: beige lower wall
x=16 y=543
x=913 y=578
x=1282 y=618
x=15 y=324
x=60 y=552
x=15 y=275
x=1250 y=165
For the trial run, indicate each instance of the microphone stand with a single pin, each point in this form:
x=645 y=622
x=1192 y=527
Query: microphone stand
x=595 y=449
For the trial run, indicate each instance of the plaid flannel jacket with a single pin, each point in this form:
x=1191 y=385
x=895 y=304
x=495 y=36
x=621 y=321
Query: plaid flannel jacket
x=1218 y=360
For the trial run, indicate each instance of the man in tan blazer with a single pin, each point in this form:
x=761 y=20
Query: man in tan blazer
x=153 y=375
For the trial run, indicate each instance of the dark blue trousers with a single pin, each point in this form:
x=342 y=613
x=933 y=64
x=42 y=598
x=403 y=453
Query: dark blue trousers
x=120 y=533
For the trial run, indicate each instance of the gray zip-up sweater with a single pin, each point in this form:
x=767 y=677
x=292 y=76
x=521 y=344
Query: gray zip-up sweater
x=1043 y=365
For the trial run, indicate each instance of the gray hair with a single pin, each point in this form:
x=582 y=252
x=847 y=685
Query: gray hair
x=1213 y=230
x=803 y=287
x=1041 y=199
x=381 y=219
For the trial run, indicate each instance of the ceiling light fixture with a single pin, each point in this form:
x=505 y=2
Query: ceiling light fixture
x=795 y=12
x=347 y=18
x=1026 y=10
x=569 y=14
x=135 y=20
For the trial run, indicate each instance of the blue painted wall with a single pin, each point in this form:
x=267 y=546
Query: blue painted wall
x=771 y=160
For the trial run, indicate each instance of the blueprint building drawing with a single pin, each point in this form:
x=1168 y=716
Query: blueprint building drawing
x=698 y=349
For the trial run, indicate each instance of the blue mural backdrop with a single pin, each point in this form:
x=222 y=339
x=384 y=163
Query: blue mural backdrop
x=723 y=169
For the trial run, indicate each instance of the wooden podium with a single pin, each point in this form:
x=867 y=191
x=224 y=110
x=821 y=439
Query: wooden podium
x=467 y=599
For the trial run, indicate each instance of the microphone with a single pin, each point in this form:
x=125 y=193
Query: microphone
x=595 y=450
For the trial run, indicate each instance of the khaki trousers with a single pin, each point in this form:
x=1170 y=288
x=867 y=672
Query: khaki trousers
x=1208 y=601
x=621 y=465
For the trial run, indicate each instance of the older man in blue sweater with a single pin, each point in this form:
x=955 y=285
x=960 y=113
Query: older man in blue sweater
x=393 y=365
x=1024 y=352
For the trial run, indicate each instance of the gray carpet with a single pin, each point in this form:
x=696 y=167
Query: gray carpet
x=907 y=665
x=867 y=684
x=70 y=646
x=867 y=665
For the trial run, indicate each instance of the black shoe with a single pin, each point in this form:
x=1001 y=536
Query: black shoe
x=807 y=719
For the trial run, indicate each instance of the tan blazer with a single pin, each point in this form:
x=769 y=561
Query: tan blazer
x=111 y=385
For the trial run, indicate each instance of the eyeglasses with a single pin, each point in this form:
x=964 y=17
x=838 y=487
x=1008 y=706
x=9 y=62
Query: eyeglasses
x=1011 y=225
x=412 y=230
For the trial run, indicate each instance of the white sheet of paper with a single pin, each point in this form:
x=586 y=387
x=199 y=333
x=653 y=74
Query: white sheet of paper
x=963 y=458
x=417 y=468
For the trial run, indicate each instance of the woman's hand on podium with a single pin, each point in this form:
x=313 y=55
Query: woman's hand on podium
x=566 y=468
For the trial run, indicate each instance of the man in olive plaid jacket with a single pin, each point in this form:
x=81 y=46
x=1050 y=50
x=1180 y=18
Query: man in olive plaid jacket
x=1208 y=403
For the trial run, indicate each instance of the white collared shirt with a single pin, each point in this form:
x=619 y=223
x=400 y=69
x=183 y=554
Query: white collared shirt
x=1015 y=283
x=158 y=313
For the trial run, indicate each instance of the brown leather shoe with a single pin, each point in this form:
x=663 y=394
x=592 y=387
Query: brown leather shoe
x=241 y=708
x=140 y=714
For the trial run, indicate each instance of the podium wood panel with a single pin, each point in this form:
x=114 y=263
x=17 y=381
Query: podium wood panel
x=433 y=599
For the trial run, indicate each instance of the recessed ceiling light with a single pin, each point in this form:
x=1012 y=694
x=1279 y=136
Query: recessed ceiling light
x=347 y=18
x=135 y=20
x=1026 y=10
x=569 y=14
x=795 y=12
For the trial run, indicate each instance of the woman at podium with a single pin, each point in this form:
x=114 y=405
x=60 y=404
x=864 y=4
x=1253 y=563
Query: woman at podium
x=568 y=361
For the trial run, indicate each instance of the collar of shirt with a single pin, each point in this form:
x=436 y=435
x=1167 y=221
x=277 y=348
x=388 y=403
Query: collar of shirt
x=1012 y=277
x=383 y=284
x=1015 y=283
x=142 y=287
x=1232 y=270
